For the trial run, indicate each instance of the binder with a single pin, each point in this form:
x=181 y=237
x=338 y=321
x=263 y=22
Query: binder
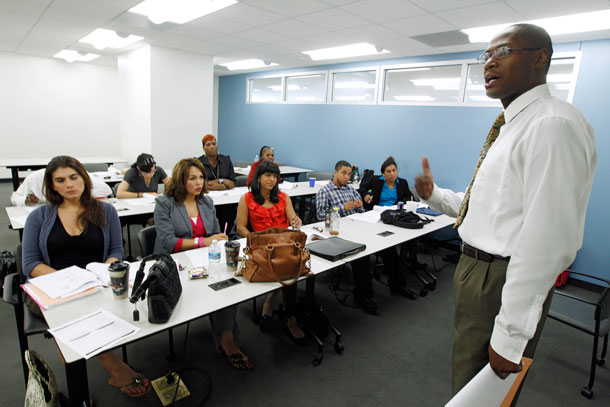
x=334 y=248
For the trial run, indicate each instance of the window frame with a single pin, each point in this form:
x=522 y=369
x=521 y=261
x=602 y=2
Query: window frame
x=331 y=83
x=305 y=73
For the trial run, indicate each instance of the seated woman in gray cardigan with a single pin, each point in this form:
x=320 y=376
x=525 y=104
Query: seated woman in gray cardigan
x=186 y=219
x=74 y=229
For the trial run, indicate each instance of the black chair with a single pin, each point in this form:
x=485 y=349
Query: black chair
x=146 y=240
x=28 y=324
x=240 y=180
x=586 y=307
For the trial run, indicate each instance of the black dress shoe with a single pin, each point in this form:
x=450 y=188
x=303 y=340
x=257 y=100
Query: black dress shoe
x=368 y=306
x=404 y=292
x=265 y=324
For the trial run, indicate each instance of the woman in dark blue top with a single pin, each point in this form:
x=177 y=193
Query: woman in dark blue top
x=75 y=229
x=388 y=190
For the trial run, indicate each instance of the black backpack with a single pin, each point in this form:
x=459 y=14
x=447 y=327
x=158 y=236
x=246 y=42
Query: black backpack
x=367 y=179
x=7 y=266
x=400 y=218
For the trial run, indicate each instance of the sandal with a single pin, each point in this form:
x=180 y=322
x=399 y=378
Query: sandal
x=237 y=360
x=136 y=381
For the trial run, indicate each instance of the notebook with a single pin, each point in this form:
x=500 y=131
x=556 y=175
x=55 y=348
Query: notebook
x=334 y=248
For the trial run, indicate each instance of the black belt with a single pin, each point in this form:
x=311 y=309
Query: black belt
x=480 y=254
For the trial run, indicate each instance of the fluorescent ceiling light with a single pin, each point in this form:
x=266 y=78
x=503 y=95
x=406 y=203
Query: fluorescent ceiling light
x=415 y=98
x=246 y=64
x=102 y=38
x=178 y=11
x=575 y=23
x=346 y=51
x=71 y=55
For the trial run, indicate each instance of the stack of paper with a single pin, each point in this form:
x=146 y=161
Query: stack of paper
x=66 y=282
x=93 y=333
x=285 y=185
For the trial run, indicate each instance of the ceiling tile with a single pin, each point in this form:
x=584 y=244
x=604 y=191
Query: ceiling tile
x=208 y=48
x=485 y=14
x=462 y=48
x=261 y=35
x=425 y=24
x=123 y=4
x=379 y=11
x=171 y=40
x=339 y=2
x=551 y=8
x=129 y=29
x=198 y=32
x=369 y=33
x=293 y=28
x=97 y=11
x=401 y=45
x=246 y=14
x=30 y=8
x=289 y=8
x=333 y=19
x=442 y=5
x=234 y=42
x=17 y=19
x=219 y=24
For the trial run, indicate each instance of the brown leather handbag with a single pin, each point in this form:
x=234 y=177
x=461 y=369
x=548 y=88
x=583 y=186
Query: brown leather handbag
x=276 y=255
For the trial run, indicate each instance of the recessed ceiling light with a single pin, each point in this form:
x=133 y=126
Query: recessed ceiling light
x=570 y=24
x=247 y=64
x=345 y=51
x=178 y=11
x=70 y=55
x=102 y=38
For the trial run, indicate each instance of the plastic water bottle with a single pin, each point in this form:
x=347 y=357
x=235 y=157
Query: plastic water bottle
x=214 y=252
x=256 y=158
x=335 y=218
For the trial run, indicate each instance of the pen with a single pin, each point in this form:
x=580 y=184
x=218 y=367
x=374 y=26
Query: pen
x=226 y=224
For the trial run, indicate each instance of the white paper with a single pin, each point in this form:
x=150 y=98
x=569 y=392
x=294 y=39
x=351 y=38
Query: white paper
x=101 y=271
x=218 y=193
x=287 y=185
x=93 y=333
x=135 y=266
x=113 y=170
x=20 y=220
x=199 y=257
x=30 y=209
x=139 y=201
x=65 y=282
x=323 y=182
x=370 y=216
x=484 y=390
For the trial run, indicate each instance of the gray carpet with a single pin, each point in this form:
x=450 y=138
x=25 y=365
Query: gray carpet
x=402 y=357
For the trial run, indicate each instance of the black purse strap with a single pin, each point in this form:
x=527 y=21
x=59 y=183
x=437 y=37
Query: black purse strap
x=139 y=286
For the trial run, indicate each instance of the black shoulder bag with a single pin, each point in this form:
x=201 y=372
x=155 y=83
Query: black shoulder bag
x=163 y=285
x=400 y=218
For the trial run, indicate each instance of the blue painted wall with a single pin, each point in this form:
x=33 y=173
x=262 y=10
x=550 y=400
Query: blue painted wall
x=316 y=136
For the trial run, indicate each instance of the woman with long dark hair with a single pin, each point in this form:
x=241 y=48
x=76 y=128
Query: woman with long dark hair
x=264 y=207
x=74 y=229
x=186 y=219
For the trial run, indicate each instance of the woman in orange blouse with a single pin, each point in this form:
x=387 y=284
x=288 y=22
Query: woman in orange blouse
x=264 y=207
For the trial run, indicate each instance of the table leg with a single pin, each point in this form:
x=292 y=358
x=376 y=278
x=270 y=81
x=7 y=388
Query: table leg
x=78 y=387
x=15 y=177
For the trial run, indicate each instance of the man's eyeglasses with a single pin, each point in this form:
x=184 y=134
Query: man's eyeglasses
x=500 y=53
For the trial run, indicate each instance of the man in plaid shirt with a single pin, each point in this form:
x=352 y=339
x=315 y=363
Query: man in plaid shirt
x=338 y=194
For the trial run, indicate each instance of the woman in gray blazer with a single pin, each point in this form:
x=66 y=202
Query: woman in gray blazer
x=186 y=219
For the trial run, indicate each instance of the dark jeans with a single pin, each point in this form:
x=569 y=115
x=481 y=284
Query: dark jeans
x=363 y=281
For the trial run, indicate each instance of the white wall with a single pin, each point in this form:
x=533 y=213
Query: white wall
x=49 y=107
x=134 y=102
x=182 y=95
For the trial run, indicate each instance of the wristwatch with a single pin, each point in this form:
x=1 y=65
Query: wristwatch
x=220 y=180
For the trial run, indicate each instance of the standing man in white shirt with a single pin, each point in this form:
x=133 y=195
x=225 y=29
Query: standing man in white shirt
x=522 y=217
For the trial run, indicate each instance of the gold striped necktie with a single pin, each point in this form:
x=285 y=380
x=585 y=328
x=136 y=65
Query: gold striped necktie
x=491 y=137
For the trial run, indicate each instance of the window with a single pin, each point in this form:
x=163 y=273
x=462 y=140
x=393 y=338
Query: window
x=423 y=84
x=265 y=90
x=562 y=77
x=353 y=86
x=475 y=85
x=310 y=88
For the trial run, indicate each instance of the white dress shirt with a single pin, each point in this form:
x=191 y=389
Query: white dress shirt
x=528 y=201
x=32 y=184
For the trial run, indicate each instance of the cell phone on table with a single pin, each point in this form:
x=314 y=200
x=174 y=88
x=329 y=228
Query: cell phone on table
x=385 y=233
x=224 y=284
